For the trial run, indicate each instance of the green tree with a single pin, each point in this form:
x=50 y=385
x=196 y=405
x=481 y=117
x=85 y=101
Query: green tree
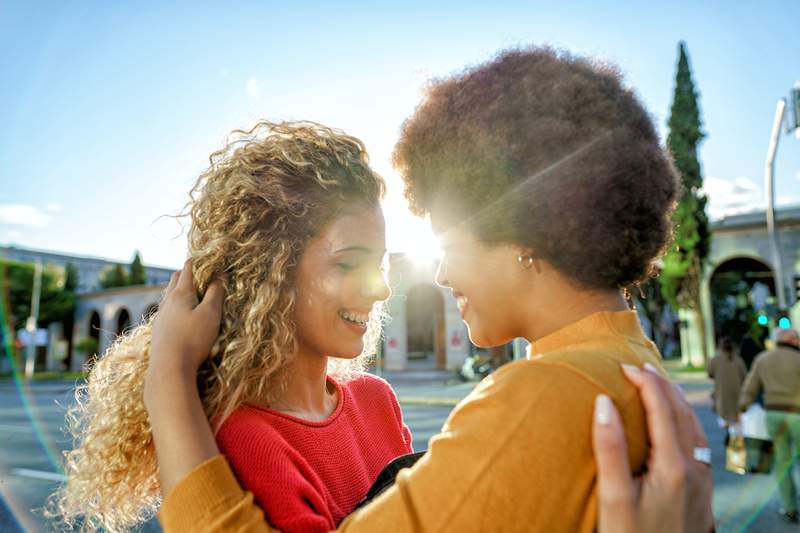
x=115 y=276
x=137 y=276
x=683 y=264
x=70 y=278
x=55 y=303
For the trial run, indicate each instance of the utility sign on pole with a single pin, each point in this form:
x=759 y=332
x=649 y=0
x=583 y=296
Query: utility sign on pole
x=793 y=120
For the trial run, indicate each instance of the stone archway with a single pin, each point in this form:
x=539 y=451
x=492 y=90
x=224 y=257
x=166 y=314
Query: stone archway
x=123 y=322
x=94 y=326
x=742 y=288
x=426 y=333
x=91 y=350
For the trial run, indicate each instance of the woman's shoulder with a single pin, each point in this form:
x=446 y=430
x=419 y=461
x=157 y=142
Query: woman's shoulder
x=366 y=383
x=370 y=392
x=565 y=382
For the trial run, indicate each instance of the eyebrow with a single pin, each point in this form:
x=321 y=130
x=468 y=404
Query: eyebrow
x=363 y=249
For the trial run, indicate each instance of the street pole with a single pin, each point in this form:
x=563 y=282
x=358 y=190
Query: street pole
x=30 y=324
x=769 y=186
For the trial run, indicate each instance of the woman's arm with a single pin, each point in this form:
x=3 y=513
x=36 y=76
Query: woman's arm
x=183 y=332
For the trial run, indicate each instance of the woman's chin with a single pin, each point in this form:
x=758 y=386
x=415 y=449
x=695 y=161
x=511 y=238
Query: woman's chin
x=477 y=338
x=482 y=340
x=348 y=353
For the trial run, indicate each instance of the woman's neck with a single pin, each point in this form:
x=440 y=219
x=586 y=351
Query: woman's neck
x=557 y=304
x=306 y=393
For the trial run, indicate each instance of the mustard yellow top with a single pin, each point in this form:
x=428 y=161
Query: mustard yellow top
x=515 y=455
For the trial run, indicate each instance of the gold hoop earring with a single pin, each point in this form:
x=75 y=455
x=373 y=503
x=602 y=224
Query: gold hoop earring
x=525 y=261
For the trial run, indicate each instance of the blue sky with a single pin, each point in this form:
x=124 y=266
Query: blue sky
x=110 y=109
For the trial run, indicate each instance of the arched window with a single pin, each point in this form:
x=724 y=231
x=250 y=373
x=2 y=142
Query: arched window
x=123 y=321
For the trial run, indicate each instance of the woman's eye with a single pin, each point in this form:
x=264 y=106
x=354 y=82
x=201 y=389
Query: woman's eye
x=347 y=267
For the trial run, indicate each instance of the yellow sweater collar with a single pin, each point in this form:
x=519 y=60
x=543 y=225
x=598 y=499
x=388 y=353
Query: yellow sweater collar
x=616 y=323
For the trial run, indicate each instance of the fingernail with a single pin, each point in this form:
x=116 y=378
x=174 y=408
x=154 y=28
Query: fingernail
x=679 y=389
x=651 y=368
x=602 y=409
x=631 y=369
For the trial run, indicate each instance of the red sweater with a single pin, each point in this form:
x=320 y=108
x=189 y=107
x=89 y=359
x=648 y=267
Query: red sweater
x=307 y=476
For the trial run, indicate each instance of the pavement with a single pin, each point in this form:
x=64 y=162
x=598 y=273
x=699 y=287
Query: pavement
x=31 y=443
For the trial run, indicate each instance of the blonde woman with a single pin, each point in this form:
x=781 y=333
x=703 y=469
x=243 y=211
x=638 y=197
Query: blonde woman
x=287 y=220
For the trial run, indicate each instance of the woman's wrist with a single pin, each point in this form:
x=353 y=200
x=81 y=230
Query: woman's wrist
x=161 y=383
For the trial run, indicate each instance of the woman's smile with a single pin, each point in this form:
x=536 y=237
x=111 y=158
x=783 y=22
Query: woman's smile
x=356 y=320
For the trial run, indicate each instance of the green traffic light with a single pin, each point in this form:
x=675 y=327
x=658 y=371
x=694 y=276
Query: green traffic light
x=784 y=323
x=763 y=320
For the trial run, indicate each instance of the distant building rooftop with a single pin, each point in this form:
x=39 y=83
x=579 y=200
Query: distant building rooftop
x=783 y=216
x=90 y=269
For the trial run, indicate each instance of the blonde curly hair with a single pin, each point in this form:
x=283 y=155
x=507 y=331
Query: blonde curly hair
x=264 y=196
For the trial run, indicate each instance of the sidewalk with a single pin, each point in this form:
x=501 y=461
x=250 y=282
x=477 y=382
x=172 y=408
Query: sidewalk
x=428 y=386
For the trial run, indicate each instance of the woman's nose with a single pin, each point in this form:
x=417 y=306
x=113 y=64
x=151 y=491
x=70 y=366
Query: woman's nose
x=376 y=287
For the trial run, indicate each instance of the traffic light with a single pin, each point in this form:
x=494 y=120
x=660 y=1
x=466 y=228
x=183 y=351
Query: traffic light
x=784 y=322
x=763 y=320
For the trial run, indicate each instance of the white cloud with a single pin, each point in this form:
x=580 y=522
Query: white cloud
x=53 y=207
x=728 y=197
x=23 y=215
x=252 y=88
x=13 y=234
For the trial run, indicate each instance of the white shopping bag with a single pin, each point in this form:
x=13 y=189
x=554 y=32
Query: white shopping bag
x=754 y=422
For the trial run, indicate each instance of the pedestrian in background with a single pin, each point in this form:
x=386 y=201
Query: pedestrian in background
x=776 y=373
x=728 y=371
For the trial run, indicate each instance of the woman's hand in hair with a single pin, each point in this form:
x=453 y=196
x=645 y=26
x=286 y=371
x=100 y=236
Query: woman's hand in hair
x=183 y=332
x=675 y=493
x=184 y=328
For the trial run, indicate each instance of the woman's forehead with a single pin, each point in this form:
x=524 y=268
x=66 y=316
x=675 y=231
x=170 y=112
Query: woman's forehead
x=357 y=229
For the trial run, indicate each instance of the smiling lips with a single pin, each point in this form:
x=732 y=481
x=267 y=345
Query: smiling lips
x=356 y=319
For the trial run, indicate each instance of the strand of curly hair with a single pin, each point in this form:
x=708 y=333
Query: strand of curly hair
x=265 y=194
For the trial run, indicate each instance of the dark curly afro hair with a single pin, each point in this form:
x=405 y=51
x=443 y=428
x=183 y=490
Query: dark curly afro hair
x=549 y=151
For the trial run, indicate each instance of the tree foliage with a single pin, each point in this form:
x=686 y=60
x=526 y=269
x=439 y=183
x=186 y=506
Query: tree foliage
x=71 y=278
x=137 y=273
x=115 y=276
x=683 y=264
x=55 y=303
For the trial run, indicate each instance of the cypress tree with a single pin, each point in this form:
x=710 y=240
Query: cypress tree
x=683 y=263
x=137 y=275
x=70 y=278
x=114 y=277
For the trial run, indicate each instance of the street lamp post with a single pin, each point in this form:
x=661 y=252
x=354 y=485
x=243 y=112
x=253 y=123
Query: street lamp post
x=769 y=185
x=30 y=324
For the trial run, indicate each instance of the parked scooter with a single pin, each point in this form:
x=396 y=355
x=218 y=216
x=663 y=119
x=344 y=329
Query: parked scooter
x=475 y=368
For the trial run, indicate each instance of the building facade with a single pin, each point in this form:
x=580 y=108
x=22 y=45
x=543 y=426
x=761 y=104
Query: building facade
x=741 y=253
x=90 y=269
